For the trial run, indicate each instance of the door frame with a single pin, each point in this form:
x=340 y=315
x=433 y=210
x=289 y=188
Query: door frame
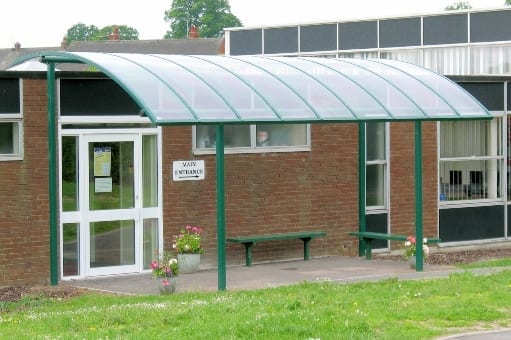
x=81 y=217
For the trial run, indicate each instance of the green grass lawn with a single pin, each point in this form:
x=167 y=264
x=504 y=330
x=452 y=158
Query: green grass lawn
x=390 y=309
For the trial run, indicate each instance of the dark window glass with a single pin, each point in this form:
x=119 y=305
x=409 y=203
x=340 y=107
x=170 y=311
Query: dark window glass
x=281 y=40
x=400 y=32
x=445 y=29
x=358 y=35
x=10 y=95
x=318 y=38
x=246 y=42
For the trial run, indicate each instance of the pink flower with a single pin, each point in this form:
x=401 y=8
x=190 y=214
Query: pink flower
x=154 y=264
x=165 y=282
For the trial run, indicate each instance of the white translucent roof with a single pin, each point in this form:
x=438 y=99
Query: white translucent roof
x=178 y=89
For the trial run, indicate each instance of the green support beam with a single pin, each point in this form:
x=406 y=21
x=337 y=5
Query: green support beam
x=419 y=233
x=361 y=183
x=220 y=207
x=52 y=174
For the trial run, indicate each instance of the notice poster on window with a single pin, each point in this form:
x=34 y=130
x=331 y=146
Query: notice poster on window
x=103 y=184
x=102 y=161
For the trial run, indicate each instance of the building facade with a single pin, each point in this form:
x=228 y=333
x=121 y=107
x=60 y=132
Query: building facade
x=118 y=202
x=469 y=168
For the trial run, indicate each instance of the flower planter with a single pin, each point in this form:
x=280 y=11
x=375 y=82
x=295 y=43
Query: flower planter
x=167 y=285
x=188 y=263
x=412 y=260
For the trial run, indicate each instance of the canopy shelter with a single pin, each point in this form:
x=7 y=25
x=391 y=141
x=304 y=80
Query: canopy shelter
x=195 y=90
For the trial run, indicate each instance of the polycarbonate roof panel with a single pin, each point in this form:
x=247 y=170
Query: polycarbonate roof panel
x=176 y=89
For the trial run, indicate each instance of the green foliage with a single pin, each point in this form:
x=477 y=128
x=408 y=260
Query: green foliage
x=508 y=3
x=209 y=16
x=459 y=5
x=390 y=309
x=189 y=240
x=82 y=32
x=125 y=32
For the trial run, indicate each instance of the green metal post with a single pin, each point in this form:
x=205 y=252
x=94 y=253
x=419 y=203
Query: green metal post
x=361 y=184
x=419 y=234
x=52 y=174
x=220 y=207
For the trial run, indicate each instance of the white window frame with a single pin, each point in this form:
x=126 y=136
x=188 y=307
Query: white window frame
x=385 y=162
x=499 y=158
x=17 y=119
x=253 y=148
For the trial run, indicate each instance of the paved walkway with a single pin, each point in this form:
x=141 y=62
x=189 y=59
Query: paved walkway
x=334 y=268
x=340 y=269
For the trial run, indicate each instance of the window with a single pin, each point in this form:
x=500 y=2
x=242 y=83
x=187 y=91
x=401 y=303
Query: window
x=11 y=126
x=470 y=160
x=254 y=138
x=376 y=165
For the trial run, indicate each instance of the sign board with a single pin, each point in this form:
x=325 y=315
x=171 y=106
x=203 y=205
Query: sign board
x=188 y=170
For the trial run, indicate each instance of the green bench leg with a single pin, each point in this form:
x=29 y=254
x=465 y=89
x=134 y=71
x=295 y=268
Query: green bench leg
x=306 y=248
x=248 y=253
x=368 y=246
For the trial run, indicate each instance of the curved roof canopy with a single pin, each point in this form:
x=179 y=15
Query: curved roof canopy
x=178 y=89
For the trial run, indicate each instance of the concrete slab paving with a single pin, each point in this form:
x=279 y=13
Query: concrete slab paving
x=265 y=275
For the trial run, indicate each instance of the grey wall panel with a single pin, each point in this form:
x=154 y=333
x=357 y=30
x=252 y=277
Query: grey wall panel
x=490 y=26
x=358 y=35
x=246 y=42
x=473 y=223
x=400 y=32
x=378 y=223
x=445 y=29
x=90 y=97
x=318 y=38
x=281 y=40
x=10 y=95
x=491 y=95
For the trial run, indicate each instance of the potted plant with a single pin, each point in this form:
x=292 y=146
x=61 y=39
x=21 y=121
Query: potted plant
x=188 y=246
x=165 y=271
x=410 y=250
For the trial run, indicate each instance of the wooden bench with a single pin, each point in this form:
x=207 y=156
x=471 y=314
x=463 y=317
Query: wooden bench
x=367 y=237
x=249 y=241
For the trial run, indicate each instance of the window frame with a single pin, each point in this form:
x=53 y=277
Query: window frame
x=15 y=118
x=499 y=158
x=385 y=163
x=253 y=148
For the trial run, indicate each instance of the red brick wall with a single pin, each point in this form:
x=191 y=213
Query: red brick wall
x=270 y=192
x=265 y=192
x=24 y=231
x=402 y=179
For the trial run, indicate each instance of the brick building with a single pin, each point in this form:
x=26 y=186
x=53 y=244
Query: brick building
x=305 y=178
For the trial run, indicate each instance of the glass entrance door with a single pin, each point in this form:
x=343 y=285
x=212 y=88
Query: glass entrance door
x=111 y=215
x=112 y=204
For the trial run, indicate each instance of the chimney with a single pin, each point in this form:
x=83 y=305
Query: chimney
x=17 y=46
x=115 y=34
x=193 y=33
x=63 y=43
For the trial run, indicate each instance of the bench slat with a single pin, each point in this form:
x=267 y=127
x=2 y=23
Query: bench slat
x=275 y=237
x=367 y=237
x=248 y=241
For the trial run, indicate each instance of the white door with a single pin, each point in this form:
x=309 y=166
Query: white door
x=111 y=215
x=111 y=211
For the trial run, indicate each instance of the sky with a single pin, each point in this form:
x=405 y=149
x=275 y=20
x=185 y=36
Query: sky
x=35 y=23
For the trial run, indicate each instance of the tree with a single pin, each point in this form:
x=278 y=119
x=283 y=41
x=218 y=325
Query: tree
x=209 y=16
x=460 y=5
x=125 y=33
x=82 y=32
x=508 y=3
